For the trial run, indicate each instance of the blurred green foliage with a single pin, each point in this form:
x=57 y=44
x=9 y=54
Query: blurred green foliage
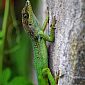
x=35 y=4
x=5 y=79
x=15 y=45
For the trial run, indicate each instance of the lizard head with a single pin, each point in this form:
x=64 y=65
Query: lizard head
x=27 y=15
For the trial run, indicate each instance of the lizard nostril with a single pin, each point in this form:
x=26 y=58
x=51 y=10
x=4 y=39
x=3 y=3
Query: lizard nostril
x=30 y=24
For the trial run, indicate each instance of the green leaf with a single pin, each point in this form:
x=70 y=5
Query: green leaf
x=5 y=76
x=20 y=81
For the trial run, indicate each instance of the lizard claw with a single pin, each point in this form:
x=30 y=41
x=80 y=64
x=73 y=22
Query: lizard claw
x=45 y=71
x=53 y=22
x=40 y=33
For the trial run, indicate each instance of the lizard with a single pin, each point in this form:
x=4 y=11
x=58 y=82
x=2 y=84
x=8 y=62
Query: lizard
x=33 y=28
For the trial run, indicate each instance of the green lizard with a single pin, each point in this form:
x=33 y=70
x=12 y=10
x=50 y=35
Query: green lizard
x=39 y=38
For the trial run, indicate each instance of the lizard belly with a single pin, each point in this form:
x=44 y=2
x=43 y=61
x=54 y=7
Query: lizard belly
x=40 y=56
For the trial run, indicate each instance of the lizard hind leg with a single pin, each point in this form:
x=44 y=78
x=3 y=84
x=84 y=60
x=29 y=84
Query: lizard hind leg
x=46 y=73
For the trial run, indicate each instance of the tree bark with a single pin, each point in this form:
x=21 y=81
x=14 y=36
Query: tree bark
x=67 y=53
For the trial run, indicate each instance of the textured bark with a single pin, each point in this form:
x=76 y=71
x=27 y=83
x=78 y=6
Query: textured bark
x=67 y=53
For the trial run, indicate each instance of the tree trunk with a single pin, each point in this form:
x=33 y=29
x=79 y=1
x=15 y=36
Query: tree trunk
x=67 y=53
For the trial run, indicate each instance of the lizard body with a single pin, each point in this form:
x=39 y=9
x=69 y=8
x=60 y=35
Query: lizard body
x=39 y=38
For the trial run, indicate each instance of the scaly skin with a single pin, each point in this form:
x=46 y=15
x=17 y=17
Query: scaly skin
x=39 y=38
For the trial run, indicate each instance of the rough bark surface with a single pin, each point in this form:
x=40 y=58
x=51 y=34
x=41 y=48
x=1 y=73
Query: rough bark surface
x=67 y=53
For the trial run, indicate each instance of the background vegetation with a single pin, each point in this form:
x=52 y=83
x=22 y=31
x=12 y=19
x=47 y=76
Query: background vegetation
x=15 y=44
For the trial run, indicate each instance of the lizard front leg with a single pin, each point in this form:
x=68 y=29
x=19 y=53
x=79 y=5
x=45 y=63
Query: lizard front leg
x=52 y=32
x=45 y=23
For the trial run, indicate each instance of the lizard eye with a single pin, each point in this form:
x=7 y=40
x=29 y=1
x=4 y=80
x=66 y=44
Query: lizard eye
x=25 y=15
x=30 y=24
